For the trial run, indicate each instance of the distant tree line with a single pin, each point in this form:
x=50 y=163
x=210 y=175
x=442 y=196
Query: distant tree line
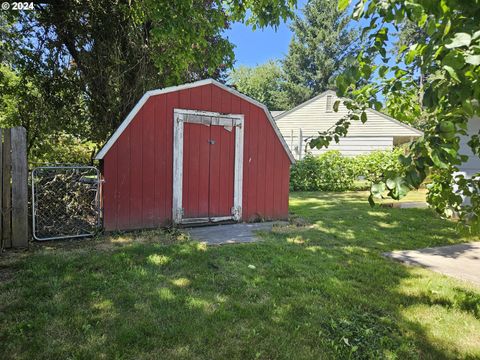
x=324 y=43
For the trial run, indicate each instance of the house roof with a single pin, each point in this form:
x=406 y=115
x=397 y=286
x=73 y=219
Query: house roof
x=100 y=155
x=331 y=92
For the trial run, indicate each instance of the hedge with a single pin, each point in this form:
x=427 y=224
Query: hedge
x=333 y=172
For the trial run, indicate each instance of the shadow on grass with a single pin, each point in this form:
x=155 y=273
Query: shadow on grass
x=318 y=292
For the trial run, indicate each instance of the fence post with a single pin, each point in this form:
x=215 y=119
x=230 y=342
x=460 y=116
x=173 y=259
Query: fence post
x=19 y=188
x=6 y=193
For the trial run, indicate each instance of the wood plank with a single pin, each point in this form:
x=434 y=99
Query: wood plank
x=253 y=163
x=245 y=109
x=148 y=166
x=271 y=141
x=109 y=189
x=262 y=163
x=123 y=180
x=6 y=194
x=161 y=155
x=171 y=103
x=19 y=188
x=135 y=198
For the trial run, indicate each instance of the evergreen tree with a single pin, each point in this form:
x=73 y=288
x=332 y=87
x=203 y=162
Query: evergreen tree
x=323 y=44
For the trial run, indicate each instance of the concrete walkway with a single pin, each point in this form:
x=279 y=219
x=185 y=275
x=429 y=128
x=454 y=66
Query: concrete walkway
x=229 y=234
x=460 y=261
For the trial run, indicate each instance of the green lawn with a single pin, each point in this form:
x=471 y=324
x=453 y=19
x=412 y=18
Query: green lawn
x=319 y=291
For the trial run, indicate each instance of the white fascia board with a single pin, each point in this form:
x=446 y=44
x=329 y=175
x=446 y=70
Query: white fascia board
x=101 y=154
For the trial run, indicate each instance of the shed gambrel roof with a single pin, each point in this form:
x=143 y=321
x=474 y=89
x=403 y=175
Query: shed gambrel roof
x=101 y=154
x=311 y=117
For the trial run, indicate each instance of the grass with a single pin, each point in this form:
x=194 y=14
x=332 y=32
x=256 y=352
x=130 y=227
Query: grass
x=318 y=291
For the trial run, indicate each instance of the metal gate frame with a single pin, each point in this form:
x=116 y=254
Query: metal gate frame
x=97 y=200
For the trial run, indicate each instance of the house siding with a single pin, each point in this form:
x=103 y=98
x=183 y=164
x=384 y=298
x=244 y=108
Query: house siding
x=472 y=166
x=377 y=133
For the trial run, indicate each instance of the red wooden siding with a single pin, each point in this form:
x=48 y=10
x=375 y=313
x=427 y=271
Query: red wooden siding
x=138 y=168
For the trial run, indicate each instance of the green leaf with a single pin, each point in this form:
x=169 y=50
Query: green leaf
x=377 y=189
x=336 y=104
x=363 y=117
x=447 y=28
x=399 y=73
x=398 y=187
x=341 y=85
x=410 y=56
x=454 y=59
x=390 y=184
x=459 y=40
x=451 y=72
x=382 y=70
x=343 y=4
x=438 y=160
x=473 y=59
x=414 y=178
x=468 y=107
x=404 y=160
x=444 y=6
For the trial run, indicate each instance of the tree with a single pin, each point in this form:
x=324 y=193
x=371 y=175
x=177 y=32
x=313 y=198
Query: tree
x=322 y=45
x=94 y=59
x=408 y=108
x=263 y=83
x=449 y=53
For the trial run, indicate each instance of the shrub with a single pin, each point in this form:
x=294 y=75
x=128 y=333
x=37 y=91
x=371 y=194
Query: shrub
x=373 y=166
x=327 y=172
x=62 y=149
x=333 y=172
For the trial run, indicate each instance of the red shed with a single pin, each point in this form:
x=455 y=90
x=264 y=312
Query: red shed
x=196 y=153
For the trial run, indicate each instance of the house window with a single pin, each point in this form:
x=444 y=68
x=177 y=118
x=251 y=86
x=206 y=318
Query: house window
x=329 y=103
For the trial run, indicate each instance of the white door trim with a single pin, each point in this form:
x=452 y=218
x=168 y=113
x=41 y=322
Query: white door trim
x=180 y=117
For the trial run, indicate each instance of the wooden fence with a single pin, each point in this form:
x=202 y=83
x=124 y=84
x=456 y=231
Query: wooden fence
x=14 y=188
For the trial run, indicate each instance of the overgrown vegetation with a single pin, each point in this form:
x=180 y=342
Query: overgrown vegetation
x=439 y=66
x=329 y=171
x=317 y=291
x=77 y=68
x=333 y=172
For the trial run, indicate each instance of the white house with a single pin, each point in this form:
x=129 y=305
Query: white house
x=380 y=132
x=472 y=166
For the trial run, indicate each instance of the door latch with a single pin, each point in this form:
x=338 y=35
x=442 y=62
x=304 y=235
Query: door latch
x=211 y=142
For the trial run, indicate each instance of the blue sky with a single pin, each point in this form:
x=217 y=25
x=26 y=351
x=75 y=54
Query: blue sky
x=256 y=47
x=253 y=47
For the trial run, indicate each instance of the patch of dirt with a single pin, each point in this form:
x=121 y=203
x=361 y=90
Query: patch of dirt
x=295 y=224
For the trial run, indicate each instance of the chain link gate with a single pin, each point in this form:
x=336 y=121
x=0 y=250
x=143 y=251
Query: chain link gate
x=65 y=202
